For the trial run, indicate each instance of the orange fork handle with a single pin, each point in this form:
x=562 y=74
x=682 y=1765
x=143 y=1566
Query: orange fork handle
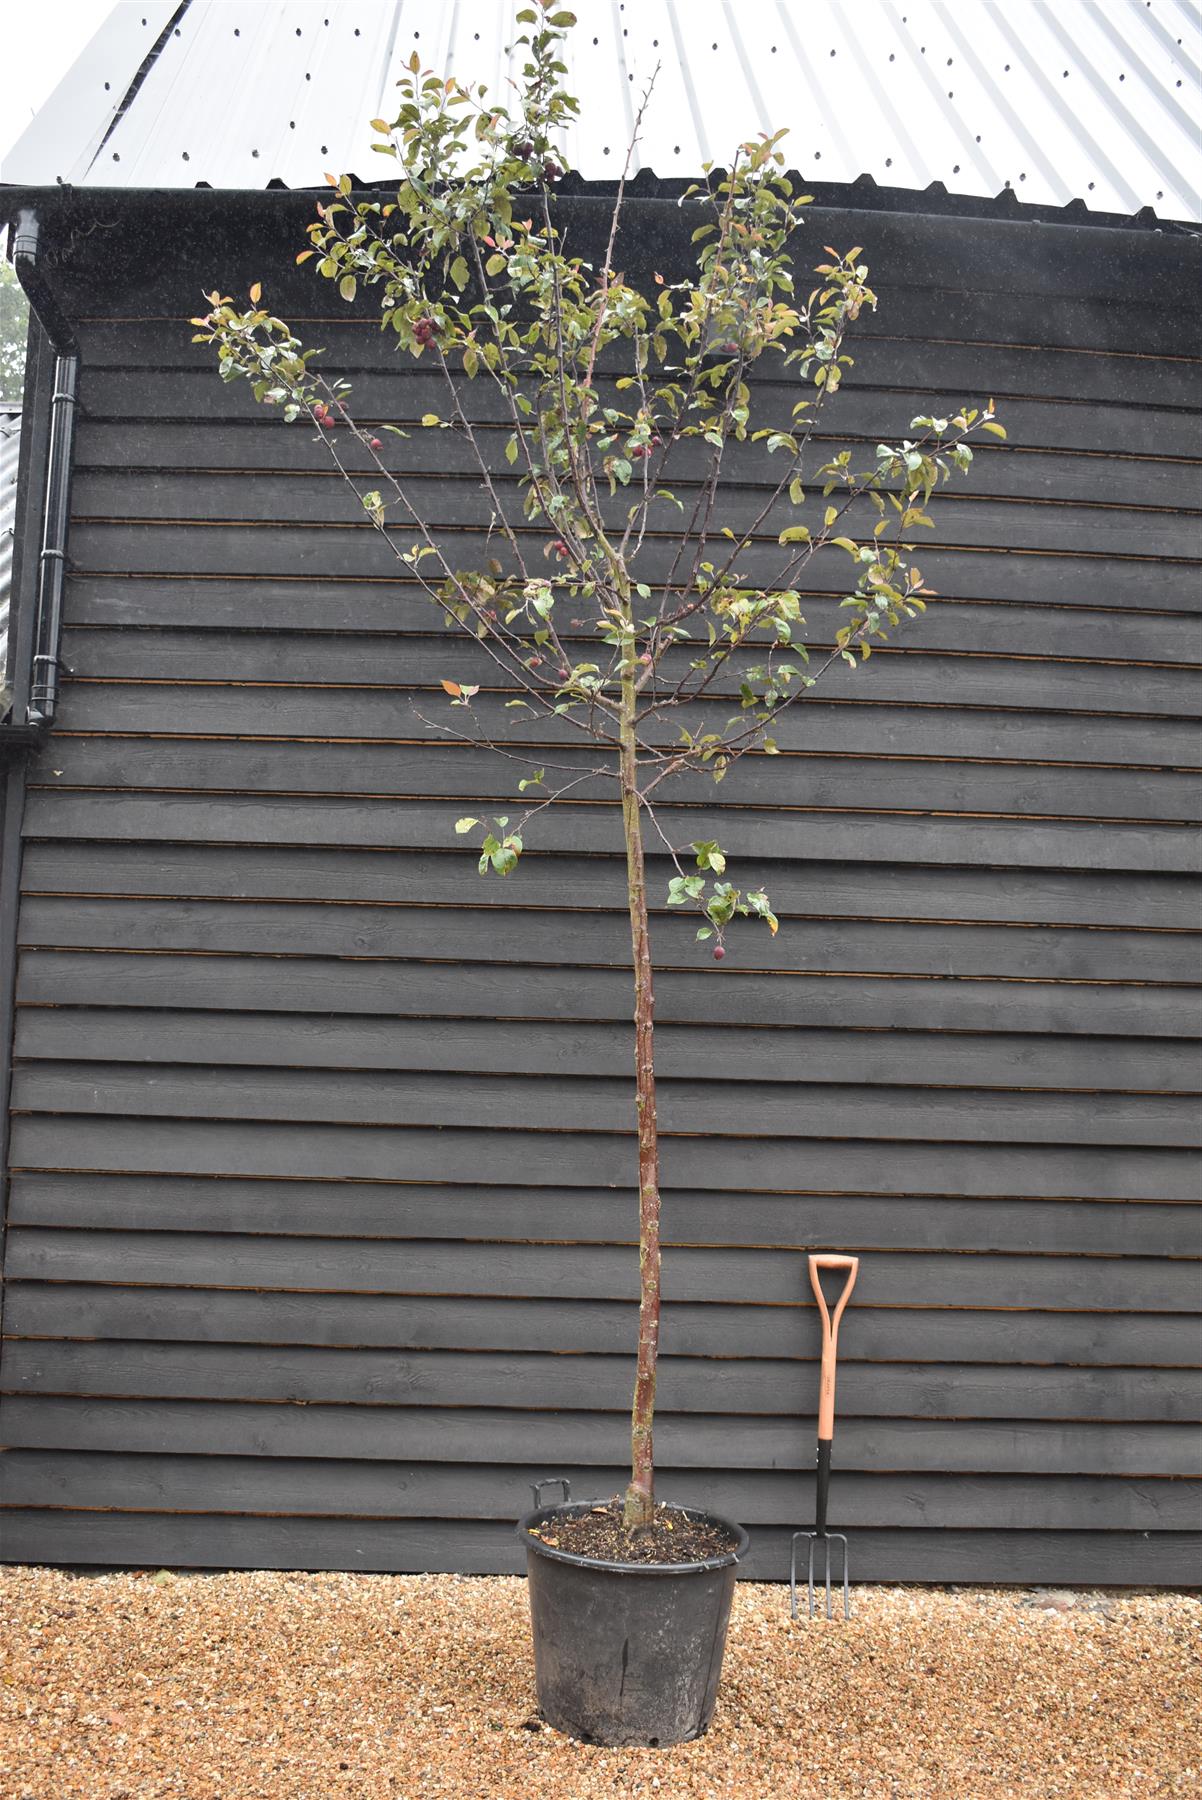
x=830 y=1332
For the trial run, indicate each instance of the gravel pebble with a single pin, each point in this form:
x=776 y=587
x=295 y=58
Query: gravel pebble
x=267 y=1686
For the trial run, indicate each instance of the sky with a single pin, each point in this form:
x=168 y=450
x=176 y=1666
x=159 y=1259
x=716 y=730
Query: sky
x=39 y=40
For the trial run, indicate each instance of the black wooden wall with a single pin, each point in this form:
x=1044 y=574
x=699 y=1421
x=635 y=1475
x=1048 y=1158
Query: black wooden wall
x=321 y=1213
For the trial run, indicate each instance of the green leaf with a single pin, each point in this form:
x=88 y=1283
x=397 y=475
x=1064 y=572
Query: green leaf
x=431 y=419
x=459 y=272
x=462 y=825
x=993 y=426
x=796 y=534
x=709 y=856
x=346 y=287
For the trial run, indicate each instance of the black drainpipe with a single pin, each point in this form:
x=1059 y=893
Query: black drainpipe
x=43 y=689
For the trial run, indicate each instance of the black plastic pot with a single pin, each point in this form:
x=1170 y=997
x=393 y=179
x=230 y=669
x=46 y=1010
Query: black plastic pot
x=626 y=1653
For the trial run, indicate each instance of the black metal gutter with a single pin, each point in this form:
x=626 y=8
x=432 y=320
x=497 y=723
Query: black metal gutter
x=44 y=669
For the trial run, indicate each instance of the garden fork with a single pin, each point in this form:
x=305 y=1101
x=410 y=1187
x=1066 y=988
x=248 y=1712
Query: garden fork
x=826 y=1432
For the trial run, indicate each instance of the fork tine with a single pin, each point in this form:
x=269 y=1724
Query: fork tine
x=838 y=1537
x=793 y=1575
x=826 y=1579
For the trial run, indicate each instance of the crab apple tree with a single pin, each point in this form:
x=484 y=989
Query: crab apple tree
x=621 y=405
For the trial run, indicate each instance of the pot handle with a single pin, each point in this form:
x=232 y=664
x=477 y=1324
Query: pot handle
x=536 y=1488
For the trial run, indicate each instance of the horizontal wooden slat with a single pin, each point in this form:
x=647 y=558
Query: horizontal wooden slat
x=1137 y=631
x=1006 y=471
x=417 y=933
x=254 y=1148
x=388 y=824
x=810 y=887
x=447 y=503
x=947 y=731
x=683 y=1441
x=881 y=357
x=597 y=1271
x=355 y=551
x=405 y=1210
x=805 y=781
x=904 y=672
x=909 y=676
x=476 y=1547
x=404 y=395
x=295 y=1488
x=236 y=984
x=743 y=1054
x=591 y=1383
x=65 y=1309
x=781 y=1108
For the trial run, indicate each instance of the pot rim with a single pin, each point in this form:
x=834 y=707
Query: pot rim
x=576 y=1507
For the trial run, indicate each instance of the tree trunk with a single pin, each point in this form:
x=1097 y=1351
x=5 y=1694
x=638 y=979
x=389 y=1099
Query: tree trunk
x=640 y=1495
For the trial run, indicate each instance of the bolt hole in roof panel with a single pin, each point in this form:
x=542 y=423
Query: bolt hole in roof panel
x=1094 y=100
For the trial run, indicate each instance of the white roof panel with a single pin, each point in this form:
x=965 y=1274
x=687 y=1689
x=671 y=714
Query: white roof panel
x=1094 y=100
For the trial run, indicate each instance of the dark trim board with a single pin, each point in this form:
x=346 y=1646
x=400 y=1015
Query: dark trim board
x=321 y=1225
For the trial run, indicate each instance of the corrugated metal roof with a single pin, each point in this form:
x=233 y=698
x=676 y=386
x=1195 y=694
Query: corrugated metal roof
x=1057 y=100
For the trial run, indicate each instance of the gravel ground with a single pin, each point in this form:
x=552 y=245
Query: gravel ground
x=272 y=1686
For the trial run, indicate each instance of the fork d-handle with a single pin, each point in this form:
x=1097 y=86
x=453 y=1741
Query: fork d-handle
x=830 y=1347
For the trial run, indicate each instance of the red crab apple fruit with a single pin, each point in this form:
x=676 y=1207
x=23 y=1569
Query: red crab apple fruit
x=719 y=953
x=425 y=330
x=374 y=444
